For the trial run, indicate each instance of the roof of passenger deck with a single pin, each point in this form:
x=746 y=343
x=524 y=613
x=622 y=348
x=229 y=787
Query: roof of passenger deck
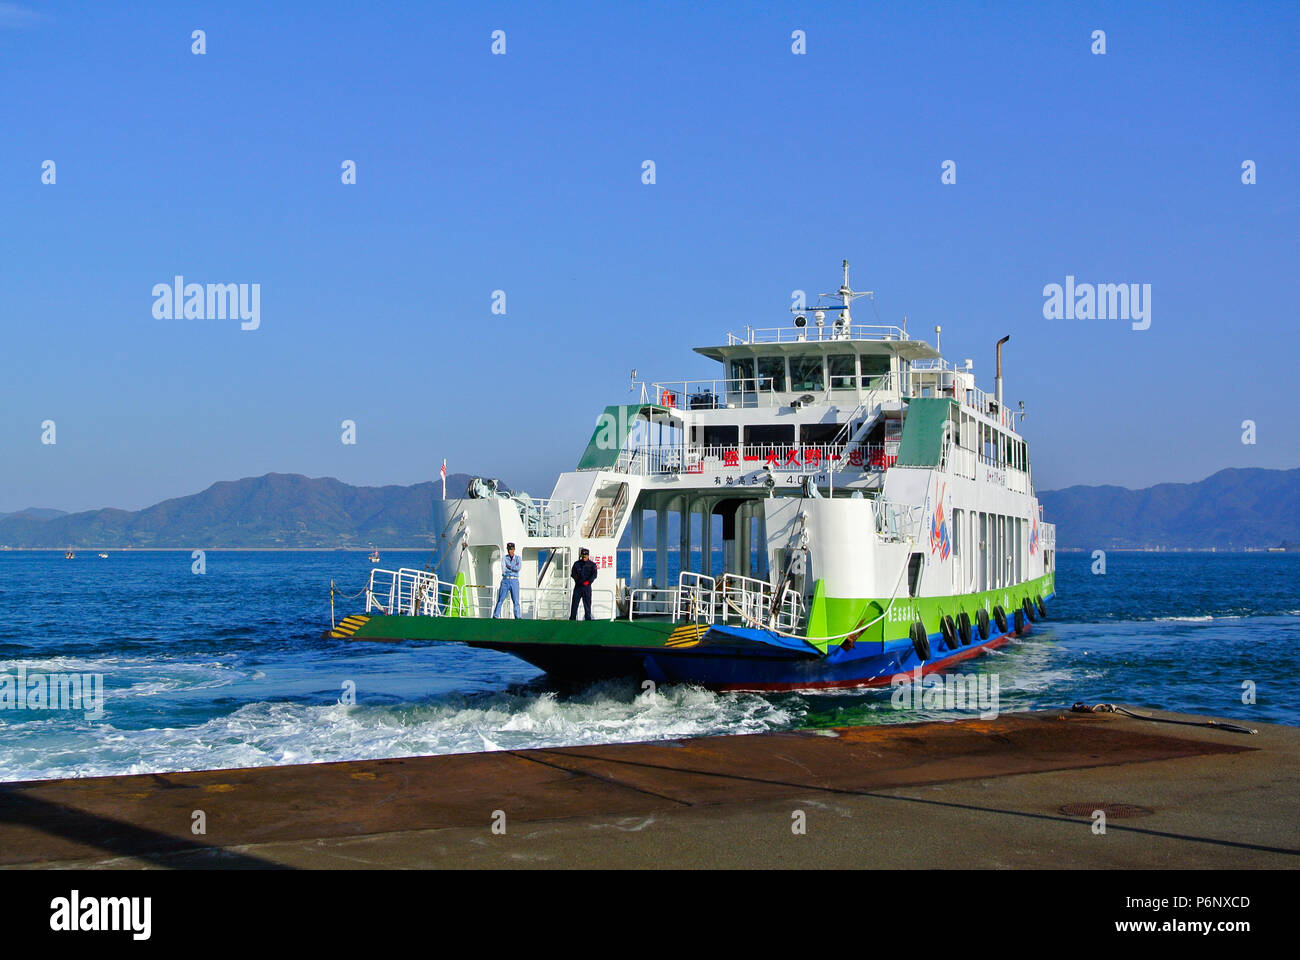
x=907 y=349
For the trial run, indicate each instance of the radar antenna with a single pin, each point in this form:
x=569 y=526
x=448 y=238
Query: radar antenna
x=847 y=295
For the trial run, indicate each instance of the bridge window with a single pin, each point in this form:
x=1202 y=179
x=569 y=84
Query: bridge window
x=806 y=374
x=771 y=373
x=875 y=368
x=742 y=375
x=844 y=371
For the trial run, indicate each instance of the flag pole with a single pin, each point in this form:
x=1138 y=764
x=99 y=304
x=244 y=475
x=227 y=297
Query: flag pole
x=444 y=479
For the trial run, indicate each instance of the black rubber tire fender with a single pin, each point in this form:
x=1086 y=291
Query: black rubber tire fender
x=963 y=627
x=1042 y=607
x=949 y=631
x=920 y=640
x=1028 y=606
x=982 y=620
x=1000 y=618
x=1021 y=624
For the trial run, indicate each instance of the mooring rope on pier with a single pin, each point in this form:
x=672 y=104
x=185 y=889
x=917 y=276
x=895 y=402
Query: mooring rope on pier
x=1116 y=708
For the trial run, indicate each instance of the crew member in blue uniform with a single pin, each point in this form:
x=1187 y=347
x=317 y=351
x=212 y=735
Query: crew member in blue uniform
x=583 y=574
x=510 y=567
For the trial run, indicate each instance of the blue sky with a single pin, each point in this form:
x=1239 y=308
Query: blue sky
x=522 y=172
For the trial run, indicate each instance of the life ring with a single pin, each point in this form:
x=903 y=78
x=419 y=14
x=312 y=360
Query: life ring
x=1021 y=624
x=1000 y=617
x=982 y=619
x=667 y=399
x=949 y=631
x=1028 y=607
x=1042 y=608
x=963 y=627
x=920 y=640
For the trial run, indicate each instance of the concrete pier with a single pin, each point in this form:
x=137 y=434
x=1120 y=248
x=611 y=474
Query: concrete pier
x=1018 y=791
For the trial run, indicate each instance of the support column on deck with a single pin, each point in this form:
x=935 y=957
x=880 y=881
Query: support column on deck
x=685 y=514
x=661 y=541
x=706 y=539
x=742 y=540
x=637 y=537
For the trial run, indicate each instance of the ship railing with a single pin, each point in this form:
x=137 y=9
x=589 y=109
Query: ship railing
x=549 y=518
x=765 y=391
x=412 y=593
x=652 y=602
x=408 y=592
x=696 y=597
x=1047 y=535
x=980 y=400
x=749 y=601
x=554 y=603
x=744 y=392
x=816 y=334
x=897 y=521
x=690 y=459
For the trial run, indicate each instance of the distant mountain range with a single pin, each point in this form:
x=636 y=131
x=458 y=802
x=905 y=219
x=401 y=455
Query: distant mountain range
x=1231 y=510
x=277 y=510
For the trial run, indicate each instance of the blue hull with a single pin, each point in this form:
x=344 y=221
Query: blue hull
x=768 y=663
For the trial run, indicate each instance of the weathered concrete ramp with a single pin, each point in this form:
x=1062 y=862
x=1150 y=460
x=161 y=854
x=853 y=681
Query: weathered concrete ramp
x=1016 y=791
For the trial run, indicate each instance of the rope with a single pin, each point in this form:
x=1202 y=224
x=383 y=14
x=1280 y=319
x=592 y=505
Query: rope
x=1116 y=708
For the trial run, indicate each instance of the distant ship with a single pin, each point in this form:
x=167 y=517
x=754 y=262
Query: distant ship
x=69 y=554
x=877 y=511
x=103 y=556
x=374 y=556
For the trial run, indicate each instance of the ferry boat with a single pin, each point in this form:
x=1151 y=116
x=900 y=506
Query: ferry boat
x=876 y=511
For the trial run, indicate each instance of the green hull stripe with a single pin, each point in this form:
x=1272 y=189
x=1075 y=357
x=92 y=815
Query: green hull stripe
x=831 y=615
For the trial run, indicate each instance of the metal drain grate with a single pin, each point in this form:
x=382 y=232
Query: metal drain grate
x=1113 y=811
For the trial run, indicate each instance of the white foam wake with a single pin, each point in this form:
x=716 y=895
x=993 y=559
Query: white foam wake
x=265 y=734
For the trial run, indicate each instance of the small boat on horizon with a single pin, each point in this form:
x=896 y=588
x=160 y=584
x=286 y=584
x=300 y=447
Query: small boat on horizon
x=374 y=556
x=69 y=554
x=103 y=556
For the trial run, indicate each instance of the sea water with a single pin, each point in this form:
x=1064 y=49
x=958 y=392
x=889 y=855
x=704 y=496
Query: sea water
x=228 y=668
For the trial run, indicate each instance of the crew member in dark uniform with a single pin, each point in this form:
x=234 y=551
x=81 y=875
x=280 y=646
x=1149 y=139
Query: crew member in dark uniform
x=583 y=573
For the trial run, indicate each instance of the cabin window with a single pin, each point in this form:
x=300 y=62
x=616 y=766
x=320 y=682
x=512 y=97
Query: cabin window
x=875 y=371
x=771 y=373
x=742 y=375
x=770 y=434
x=813 y=433
x=726 y=436
x=806 y=374
x=843 y=371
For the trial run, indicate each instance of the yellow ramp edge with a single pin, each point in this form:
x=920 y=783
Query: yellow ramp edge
x=348 y=626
